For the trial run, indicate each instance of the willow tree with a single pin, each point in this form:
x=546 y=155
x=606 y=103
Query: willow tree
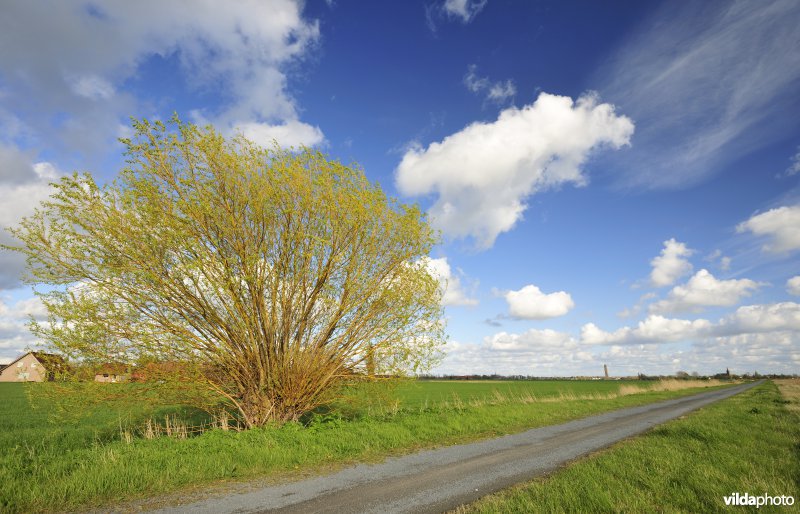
x=262 y=275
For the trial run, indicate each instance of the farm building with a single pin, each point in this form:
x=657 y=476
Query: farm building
x=33 y=367
x=113 y=373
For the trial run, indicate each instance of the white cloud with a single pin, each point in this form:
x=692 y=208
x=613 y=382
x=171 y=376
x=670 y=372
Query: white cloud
x=794 y=169
x=755 y=337
x=671 y=265
x=753 y=319
x=654 y=329
x=497 y=92
x=532 y=340
x=464 y=10
x=293 y=133
x=23 y=186
x=704 y=290
x=454 y=293
x=793 y=285
x=636 y=309
x=530 y=303
x=91 y=87
x=484 y=173
x=708 y=78
x=75 y=59
x=14 y=333
x=781 y=226
x=722 y=261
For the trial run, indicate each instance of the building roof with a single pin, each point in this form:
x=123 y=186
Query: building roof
x=112 y=368
x=50 y=361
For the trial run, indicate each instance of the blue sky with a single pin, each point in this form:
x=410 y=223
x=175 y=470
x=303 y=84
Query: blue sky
x=615 y=182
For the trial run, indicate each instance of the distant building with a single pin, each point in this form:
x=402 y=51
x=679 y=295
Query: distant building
x=33 y=367
x=113 y=373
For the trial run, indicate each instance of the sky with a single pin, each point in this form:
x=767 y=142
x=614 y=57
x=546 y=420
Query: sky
x=614 y=182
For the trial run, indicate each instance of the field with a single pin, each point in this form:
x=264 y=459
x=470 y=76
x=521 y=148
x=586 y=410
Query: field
x=50 y=464
x=748 y=443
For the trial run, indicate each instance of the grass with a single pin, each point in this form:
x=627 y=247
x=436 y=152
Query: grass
x=46 y=466
x=749 y=443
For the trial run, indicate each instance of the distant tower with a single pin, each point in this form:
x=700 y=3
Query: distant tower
x=605 y=368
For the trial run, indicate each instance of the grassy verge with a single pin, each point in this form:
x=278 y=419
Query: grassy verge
x=46 y=467
x=749 y=443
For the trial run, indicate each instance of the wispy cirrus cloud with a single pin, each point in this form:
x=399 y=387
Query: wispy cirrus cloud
x=703 y=80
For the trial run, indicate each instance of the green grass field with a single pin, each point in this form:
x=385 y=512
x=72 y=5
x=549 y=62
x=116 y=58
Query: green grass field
x=47 y=465
x=749 y=443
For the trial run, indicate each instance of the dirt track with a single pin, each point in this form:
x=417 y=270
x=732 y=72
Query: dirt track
x=442 y=479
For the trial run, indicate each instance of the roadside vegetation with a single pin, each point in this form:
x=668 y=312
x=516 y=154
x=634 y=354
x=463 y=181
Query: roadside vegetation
x=747 y=444
x=104 y=457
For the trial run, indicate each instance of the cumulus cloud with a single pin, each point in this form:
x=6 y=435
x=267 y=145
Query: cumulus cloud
x=762 y=337
x=793 y=285
x=781 y=226
x=657 y=329
x=754 y=337
x=497 y=92
x=14 y=334
x=724 y=262
x=23 y=186
x=531 y=303
x=76 y=60
x=671 y=265
x=753 y=319
x=794 y=168
x=636 y=309
x=704 y=290
x=484 y=173
x=91 y=87
x=463 y=10
x=289 y=134
x=532 y=340
x=454 y=293
x=654 y=329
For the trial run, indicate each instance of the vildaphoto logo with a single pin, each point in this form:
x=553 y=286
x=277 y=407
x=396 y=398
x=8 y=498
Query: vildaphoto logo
x=758 y=501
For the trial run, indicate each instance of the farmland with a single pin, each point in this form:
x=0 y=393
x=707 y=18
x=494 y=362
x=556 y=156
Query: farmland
x=48 y=463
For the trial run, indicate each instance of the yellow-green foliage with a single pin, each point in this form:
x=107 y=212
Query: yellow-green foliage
x=258 y=277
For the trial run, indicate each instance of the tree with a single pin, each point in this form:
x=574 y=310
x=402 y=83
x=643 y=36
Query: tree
x=264 y=276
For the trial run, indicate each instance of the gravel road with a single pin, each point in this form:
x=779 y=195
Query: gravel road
x=442 y=479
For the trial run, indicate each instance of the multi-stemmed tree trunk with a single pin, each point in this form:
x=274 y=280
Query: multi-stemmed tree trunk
x=263 y=275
